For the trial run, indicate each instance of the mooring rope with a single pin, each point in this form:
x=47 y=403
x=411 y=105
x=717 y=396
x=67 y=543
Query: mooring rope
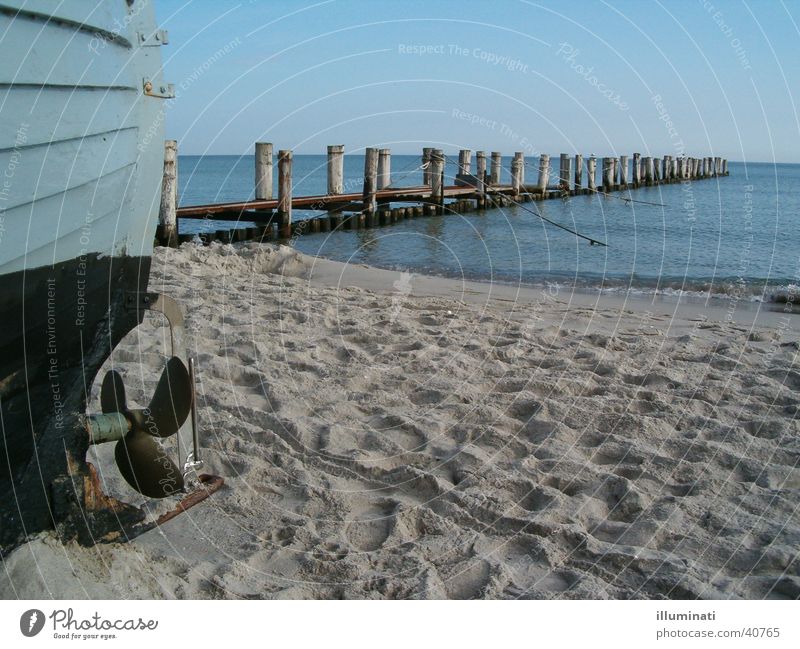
x=556 y=224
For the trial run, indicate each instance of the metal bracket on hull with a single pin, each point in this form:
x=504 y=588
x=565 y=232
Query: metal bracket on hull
x=154 y=39
x=164 y=90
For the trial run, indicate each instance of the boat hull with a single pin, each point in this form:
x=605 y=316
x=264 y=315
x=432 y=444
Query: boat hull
x=81 y=152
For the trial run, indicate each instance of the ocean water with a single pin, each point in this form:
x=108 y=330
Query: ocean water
x=736 y=235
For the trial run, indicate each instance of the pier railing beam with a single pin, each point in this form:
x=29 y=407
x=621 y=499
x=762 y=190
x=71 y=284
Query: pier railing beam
x=284 y=214
x=263 y=171
x=480 y=174
x=437 y=180
x=370 y=180
x=167 y=217
x=544 y=174
x=497 y=165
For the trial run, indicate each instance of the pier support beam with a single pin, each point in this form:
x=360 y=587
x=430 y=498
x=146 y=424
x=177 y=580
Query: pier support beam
x=724 y=166
x=544 y=174
x=370 y=181
x=497 y=165
x=263 y=171
x=437 y=180
x=591 y=173
x=665 y=165
x=480 y=174
x=717 y=166
x=578 y=172
x=648 y=170
x=284 y=213
x=518 y=172
x=167 y=217
x=656 y=170
x=637 y=169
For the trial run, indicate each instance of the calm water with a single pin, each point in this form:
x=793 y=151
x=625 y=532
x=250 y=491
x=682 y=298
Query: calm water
x=731 y=235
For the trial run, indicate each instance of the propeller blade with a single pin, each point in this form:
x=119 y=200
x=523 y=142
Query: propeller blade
x=171 y=402
x=146 y=467
x=112 y=393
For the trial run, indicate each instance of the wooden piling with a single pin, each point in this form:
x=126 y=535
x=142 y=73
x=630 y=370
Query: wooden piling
x=335 y=169
x=623 y=172
x=518 y=172
x=591 y=173
x=167 y=217
x=647 y=163
x=565 y=171
x=608 y=174
x=717 y=166
x=615 y=172
x=724 y=166
x=284 y=212
x=656 y=170
x=665 y=165
x=480 y=174
x=384 y=168
x=370 y=180
x=578 y=172
x=497 y=165
x=426 y=165
x=544 y=173
x=437 y=180
x=637 y=169
x=465 y=161
x=263 y=171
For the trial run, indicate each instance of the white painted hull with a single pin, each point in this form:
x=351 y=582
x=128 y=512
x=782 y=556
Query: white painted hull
x=81 y=144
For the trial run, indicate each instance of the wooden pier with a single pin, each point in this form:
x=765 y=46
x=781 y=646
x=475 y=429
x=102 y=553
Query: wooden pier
x=372 y=206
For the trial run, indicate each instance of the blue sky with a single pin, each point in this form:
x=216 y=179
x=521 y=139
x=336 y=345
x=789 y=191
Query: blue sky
x=711 y=78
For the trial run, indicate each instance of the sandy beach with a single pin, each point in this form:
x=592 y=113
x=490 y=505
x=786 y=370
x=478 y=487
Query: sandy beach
x=387 y=435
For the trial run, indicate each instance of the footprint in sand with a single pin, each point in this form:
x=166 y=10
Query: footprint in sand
x=368 y=530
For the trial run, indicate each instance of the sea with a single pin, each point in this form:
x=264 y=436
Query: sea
x=736 y=235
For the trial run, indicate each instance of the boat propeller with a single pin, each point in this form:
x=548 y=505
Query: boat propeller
x=141 y=459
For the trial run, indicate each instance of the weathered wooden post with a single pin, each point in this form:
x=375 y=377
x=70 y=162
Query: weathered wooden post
x=565 y=172
x=370 y=182
x=591 y=173
x=578 y=172
x=623 y=172
x=724 y=166
x=615 y=172
x=608 y=174
x=480 y=174
x=518 y=172
x=665 y=164
x=497 y=165
x=544 y=174
x=637 y=169
x=648 y=170
x=284 y=212
x=384 y=168
x=464 y=161
x=263 y=171
x=335 y=169
x=426 y=165
x=656 y=170
x=437 y=180
x=717 y=166
x=679 y=170
x=167 y=216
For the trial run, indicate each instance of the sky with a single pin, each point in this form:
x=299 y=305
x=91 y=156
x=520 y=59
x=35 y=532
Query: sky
x=606 y=78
